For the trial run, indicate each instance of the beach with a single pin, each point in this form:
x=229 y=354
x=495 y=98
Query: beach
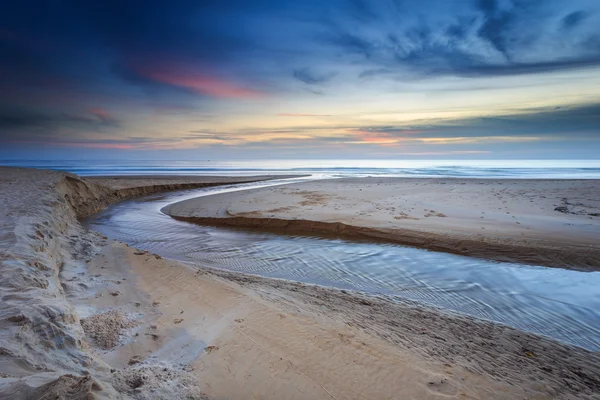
x=554 y=223
x=83 y=315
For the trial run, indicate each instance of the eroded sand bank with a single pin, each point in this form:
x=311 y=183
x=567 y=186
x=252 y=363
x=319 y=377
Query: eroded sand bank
x=156 y=328
x=554 y=223
x=42 y=347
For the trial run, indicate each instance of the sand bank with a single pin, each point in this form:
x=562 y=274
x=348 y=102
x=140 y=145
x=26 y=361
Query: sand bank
x=41 y=339
x=553 y=223
x=155 y=328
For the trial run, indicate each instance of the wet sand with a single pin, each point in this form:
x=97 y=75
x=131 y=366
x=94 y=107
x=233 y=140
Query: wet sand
x=247 y=337
x=553 y=223
x=84 y=316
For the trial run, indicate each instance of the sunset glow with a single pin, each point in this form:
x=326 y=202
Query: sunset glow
x=344 y=79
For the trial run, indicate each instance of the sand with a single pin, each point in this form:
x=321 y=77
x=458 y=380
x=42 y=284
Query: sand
x=43 y=249
x=183 y=331
x=249 y=337
x=239 y=344
x=553 y=223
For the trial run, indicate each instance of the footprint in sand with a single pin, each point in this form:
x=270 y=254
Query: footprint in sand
x=441 y=386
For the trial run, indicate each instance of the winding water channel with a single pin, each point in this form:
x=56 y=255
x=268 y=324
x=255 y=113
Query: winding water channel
x=554 y=302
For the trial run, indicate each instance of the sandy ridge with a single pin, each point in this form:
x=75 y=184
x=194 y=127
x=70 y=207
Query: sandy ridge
x=42 y=346
x=537 y=222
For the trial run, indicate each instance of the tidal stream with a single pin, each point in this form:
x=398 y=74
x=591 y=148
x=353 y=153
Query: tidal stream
x=558 y=303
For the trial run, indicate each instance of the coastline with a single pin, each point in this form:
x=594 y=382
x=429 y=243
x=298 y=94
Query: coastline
x=499 y=219
x=213 y=334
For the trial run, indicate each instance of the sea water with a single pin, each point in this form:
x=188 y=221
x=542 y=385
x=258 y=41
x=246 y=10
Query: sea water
x=555 y=169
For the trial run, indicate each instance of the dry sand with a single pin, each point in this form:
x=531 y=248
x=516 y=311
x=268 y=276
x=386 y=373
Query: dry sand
x=43 y=350
x=156 y=328
x=553 y=223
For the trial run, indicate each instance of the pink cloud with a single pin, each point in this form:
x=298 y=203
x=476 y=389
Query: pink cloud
x=198 y=82
x=100 y=113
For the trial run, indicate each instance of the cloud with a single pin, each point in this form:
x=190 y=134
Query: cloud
x=104 y=116
x=208 y=136
x=533 y=126
x=200 y=83
x=477 y=139
x=91 y=73
x=302 y=115
x=349 y=43
x=497 y=25
x=494 y=38
x=20 y=125
x=15 y=118
x=97 y=145
x=540 y=124
x=444 y=153
x=573 y=19
x=310 y=77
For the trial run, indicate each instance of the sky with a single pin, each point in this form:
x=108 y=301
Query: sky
x=269 y=79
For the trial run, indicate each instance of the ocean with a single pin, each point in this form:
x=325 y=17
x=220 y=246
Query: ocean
x=542 y=169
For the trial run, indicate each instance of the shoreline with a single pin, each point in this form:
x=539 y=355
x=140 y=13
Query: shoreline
x=337 y=207
x=156 y=327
